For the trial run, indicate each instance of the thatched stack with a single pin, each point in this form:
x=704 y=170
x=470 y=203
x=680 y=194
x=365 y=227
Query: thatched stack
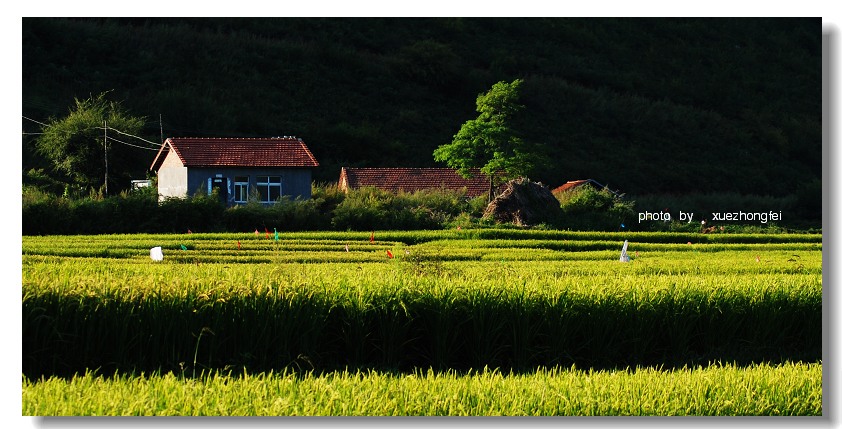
x=524 y=203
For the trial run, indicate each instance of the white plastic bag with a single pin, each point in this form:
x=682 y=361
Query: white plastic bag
x=156 y=254
x=624 y=257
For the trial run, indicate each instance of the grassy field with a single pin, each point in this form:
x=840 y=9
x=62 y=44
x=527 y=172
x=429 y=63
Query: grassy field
x=791 y=389
x=423 y=323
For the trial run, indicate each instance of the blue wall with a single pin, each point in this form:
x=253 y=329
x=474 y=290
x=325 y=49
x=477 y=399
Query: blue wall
x=296 y=182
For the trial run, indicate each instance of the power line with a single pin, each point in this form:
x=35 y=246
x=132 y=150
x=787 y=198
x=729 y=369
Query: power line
x=160 y=124
x=49 y=126
x=128 y=144
x=157 y=145
x=33 y=120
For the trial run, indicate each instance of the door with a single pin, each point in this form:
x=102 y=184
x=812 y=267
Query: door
x=220 y=186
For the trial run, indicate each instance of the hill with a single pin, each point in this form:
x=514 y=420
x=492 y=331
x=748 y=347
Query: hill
x=647 y=106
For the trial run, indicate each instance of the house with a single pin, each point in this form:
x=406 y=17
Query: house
x=413 y=179
x=573 y=184
x=237 y=168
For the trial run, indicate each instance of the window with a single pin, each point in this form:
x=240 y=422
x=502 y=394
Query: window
x=241 y=189
x=269 y=188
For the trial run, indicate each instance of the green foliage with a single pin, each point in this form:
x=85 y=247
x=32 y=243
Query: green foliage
x=492 y=142
x=131 y=211
x=370 y=209
x=285 y=215
x=329 y=208
x=360 y=210
x=75 y=144
x=38 y=182
x=586 y=208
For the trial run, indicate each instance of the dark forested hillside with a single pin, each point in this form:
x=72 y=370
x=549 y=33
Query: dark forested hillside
x=644 y=105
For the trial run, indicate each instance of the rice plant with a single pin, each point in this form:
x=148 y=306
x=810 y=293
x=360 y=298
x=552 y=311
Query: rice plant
x=393 y=303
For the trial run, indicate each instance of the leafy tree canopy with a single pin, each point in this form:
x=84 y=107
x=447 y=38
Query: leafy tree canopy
x=492 y=142
x=75 y=146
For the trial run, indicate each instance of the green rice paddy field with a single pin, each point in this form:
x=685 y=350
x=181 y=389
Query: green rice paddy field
x=467 y=322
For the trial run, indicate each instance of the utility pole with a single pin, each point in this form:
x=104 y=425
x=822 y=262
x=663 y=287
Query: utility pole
x=105 y=145
x=161 y=123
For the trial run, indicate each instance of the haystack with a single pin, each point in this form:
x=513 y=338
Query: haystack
x=524 y=203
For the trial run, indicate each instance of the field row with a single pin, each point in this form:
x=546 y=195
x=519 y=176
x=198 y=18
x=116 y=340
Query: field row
x=416 y=237
x=407 y=315
x=720 y=390
x=648 y=257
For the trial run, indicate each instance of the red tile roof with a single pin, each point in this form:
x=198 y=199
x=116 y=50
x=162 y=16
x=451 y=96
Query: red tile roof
x=237 y=152
x=412 y=179
x=573 y=184
x=570 y=185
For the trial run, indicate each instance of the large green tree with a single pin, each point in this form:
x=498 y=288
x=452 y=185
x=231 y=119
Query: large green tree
x=76 y=145
x=492 y=142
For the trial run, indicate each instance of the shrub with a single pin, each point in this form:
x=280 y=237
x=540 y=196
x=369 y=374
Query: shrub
x=363 y=209
x=586 y=208
x=370 y=208
x=198 y=213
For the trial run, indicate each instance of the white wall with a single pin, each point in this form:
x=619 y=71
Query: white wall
x=172 y=177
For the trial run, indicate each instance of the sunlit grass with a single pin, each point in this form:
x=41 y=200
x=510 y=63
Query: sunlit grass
x=719 y=390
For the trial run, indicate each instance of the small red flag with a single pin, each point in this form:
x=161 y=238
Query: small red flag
x=238 y=245
x=389 y=254
x=267 y=232
x=371 y=239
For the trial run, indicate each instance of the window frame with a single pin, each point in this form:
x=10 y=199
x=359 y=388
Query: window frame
x=265 y=185
x=237 y=185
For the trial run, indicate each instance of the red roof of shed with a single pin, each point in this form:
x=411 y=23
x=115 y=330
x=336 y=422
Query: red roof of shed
x=570 y=185
x=237 y=152
x=412 y=179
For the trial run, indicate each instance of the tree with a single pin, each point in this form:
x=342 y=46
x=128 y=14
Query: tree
x=76 y=144
x=491 y=142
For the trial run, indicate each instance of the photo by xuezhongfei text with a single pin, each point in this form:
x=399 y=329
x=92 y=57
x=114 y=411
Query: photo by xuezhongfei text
x=763 y=217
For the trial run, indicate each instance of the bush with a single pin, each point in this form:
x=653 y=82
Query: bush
x=50 y=216
x=329 y=208
x=586 y=208
x=284 y=215
x=370 y=208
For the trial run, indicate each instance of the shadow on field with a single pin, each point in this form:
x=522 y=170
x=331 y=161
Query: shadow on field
x=65 y=337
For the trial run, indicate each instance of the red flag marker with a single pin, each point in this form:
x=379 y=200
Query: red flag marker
x=389 y=254
x=371 y=239
x=238 y=245
x=267 y=232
